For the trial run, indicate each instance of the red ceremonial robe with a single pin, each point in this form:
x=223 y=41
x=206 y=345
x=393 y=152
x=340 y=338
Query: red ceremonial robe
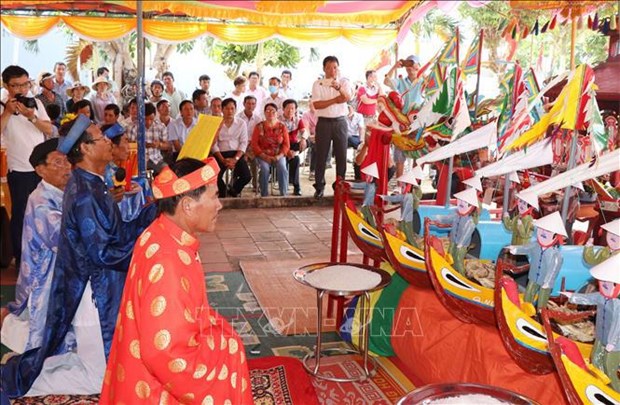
x=169 y=345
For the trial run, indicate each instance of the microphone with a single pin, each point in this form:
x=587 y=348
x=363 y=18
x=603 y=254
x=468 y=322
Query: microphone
x=119 y=177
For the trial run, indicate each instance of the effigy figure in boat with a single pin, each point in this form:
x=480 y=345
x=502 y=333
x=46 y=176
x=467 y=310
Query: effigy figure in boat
x=409 y=200
x=592 y=257
x=463 y=224
x=544 y=257
x=606 y=351
x=370 y=175
x=520 y=225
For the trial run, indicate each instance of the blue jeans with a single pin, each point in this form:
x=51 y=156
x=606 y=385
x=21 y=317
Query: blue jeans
x=281 y=172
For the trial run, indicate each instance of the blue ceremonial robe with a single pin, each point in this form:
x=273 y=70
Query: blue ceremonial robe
x=39 y=247
x=95 y=244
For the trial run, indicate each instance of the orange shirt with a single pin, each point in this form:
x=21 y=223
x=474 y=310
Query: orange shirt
x=169 y=345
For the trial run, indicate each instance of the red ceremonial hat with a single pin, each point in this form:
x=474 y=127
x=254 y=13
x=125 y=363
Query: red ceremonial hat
x=167 y=184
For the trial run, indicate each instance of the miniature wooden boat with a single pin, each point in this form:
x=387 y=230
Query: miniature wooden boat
x=365 y=237
x=465 y=299
x=523 y=336
x=582 y=382
x=407 y=260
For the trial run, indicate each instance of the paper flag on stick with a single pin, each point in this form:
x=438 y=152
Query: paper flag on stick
x=595 y=22
x=201 y=137
x=553 y=22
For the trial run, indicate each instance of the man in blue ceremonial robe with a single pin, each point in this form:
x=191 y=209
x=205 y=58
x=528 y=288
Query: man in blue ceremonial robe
x=22 y=328
x=94 y=251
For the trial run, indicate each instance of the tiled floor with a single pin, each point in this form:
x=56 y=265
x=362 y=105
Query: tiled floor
x=265 y=234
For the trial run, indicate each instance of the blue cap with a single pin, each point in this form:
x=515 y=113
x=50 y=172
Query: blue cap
x=80 y=124
x=414 y=58
x=114 y=131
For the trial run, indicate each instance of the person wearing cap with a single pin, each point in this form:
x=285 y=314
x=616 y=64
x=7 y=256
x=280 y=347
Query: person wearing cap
x=410 y=87
x=94 y=250
x=606 y=351
x=61 y=83
x=23 y=327
x=48 y=95
x=612 y=238
x=522 y=224
x=77 y=92
x=21 y=129
x=157 y=91
x=409 y=200
x=463 y=224
x=170 y=345
x=116 y=176
x=102 y=97
x=545 y=258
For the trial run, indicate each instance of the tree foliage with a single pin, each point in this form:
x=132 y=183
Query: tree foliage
x=274 y=53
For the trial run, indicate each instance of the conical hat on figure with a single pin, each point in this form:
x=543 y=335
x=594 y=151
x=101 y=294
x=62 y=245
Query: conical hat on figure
x=612 y=227
x=469 y=196
x=412 y=176
x=609 y=270
x=371 y=170
x=474 y=182
x=552 y=223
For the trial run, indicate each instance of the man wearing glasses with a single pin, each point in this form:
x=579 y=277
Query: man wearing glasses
x=22 y=128
x=23 y=328
x=94 y=249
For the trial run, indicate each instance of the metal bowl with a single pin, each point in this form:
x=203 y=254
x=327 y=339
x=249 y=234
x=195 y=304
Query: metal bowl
x=434 y=393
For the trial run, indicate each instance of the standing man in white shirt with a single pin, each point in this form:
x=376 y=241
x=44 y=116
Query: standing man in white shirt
x=172 y=94
x=228 y=149
x=22 y=127
x=329 y=97
x=256 y=90
x=286 y=89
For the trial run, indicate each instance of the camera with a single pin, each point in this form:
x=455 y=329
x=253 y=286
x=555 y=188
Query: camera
x=407 y=62
x=28 y=102
x=326 y=82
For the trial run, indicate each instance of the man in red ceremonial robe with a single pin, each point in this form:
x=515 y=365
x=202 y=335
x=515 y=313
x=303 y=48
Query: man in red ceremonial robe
x=169 y=345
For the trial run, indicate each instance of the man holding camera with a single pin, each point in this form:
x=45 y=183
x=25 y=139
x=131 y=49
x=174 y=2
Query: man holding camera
x=23 y=125
x=410 y=89
x=330 y=96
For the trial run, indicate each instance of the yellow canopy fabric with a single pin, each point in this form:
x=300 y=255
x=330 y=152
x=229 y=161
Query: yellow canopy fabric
x=108 y=29
x=364 y=23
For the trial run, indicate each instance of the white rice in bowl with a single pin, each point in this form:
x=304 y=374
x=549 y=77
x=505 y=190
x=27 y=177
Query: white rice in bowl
x=343 y=278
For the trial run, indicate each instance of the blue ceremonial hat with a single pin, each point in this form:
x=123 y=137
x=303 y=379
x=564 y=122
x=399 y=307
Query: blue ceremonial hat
x=80 y=125
x=414 y=58
x=114 y=131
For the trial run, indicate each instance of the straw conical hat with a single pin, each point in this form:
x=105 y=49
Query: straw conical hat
x=371 y=170
x=552 y=223
x=613 y=227
x=469 y=196
x=530 y=198
x=412 y=176
x=609 y=270
x=474 y=182
x=514 y=177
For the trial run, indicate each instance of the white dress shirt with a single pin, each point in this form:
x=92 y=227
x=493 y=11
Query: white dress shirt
x=234 y=137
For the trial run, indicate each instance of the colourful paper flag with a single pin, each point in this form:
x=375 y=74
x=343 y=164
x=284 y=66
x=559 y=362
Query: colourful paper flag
x=470 y=63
